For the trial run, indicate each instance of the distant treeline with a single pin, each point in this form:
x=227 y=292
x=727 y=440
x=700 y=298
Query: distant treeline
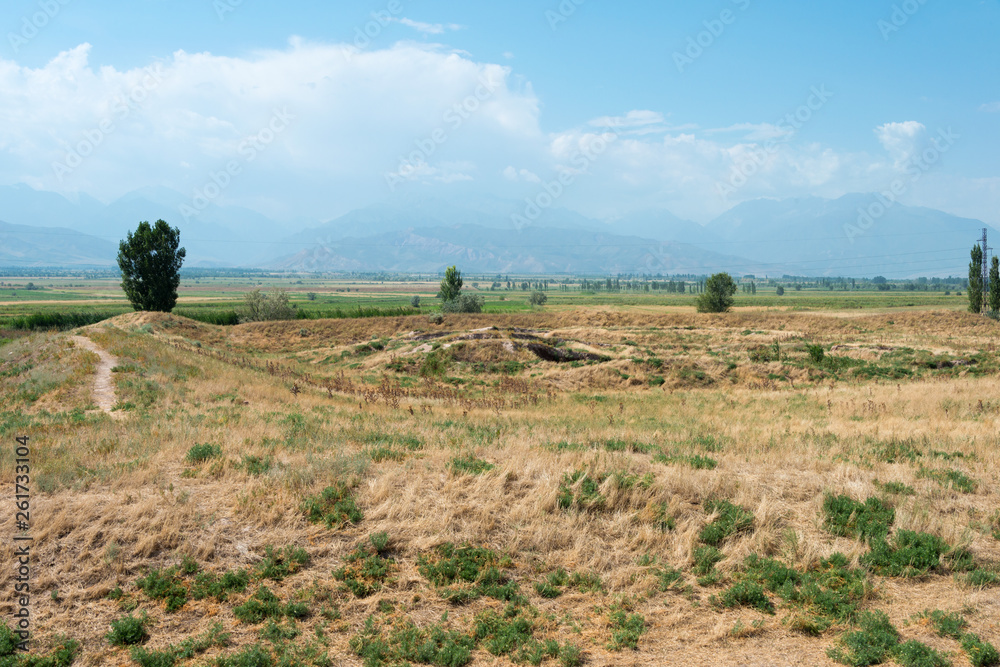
x=65 y=321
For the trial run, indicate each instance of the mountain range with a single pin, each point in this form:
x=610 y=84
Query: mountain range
x=856 y=235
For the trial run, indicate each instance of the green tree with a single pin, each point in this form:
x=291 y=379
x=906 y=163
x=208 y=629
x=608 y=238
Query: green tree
x=260 y=307
x=780 y=291
x=718 y=294
x=451 y=285
x=538 y=298
x=150 y=262
x=976 y=280
x=995 y=285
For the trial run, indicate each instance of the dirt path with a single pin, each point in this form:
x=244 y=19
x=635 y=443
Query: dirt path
x=104 y=388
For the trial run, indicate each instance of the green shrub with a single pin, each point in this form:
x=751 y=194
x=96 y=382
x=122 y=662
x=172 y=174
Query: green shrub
x=731 y=520
x=512 y=634
x=816 y=353
x=280 y=563
x=255 y=465
x=469 y=465
x=849 y=518
x=202 y=453
x=407 y=643
x=582 y=491
x=335 y=507
x=981 y=654
x=916 y=654
x=208 y=584
x=251 y=656
x=626 y=629
x=467 y=573
x=897 y=488
x=944 y=624
x=954 y=479
x=128 y=631
x=570 y=656
x=872 y=643
x=909 y=554
x=164 y=585
x=367 y=569
x=747 y=594
x=981 y=578
x=263 y=605
x=8 y=641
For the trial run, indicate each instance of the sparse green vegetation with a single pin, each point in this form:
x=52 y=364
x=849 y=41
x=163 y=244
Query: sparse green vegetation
x=334 y=507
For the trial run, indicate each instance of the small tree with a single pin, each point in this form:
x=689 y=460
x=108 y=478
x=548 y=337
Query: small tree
x=538 y=298
x=465 y=303
x=718 y=295
x=260 y=307
x=976 y=280
x=415 y=301
x=995 y=286
x=780 y=291
x=150 y=262
x=451 y=285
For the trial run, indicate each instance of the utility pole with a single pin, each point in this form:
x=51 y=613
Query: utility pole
x=985 y=270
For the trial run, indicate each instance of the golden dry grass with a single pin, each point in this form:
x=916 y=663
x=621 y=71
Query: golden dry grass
x=114 y=498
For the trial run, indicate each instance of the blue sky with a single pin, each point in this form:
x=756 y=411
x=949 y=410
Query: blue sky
x=688 y=120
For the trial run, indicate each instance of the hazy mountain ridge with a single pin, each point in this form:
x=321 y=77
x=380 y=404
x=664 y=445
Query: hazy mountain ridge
x=805 y=236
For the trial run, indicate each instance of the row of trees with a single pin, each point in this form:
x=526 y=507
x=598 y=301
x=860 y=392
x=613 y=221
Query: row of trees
x=984 y=296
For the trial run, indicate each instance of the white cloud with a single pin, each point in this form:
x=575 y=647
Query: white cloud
x=430 y=28
x=902 y=140
x=756 y=131
x=513 y=174
x=992 y=107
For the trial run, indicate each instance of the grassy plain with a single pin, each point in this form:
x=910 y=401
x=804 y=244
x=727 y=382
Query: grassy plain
x=587 y=483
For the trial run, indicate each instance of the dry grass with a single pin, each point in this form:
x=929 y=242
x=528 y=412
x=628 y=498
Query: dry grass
x=115 y=498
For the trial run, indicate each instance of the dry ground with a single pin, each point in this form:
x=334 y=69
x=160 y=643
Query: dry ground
x=386 y=406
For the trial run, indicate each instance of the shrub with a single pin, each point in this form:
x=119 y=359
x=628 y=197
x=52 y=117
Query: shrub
x=909 y=555
x=407 y=643
x=469 y=465
x=335 y=507
x=367 y=568
x=747 y=594
x=260 y=307
x=953 y=479
x=944 y=624
x=916 y=654
x=538 y=298
x=452 y=569
x=981 y=654
x=849 y=518
x=626 y=629
x=128 y=631
x=263 y=605
x=871 y=644
x=251 y=656
x=164 y=585
x=465 y=303
x=280 y=563
x=581 y=490
x=202 y=453
x=816 y=353
x=730 y=520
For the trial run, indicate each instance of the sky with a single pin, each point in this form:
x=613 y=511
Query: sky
x=312 y=109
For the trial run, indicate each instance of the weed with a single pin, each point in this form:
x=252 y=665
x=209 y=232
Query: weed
x=730 y=520
x=452 y=569
x=582 y=491
x=981 y=654
x=698 y=461
x=129 y=630
x=263 y=605
x=553 y=584
x=367 y=568
x=255 y=465
x=626 y=628
x=671 y=579
x=280 y=563
x=208 y=584
x=909 y=555
x=849 y=518
x=945 y=624
x=570 y=656
x=469 y=465
x=705 y=559
x=896 y=488
x=251 y=656
x=627 y=446
x=187 y=649
x=981 y=578
x=407 y=643
x=951 y=479
x=164 y=585
x=872 y=643
x=335 y=507
x=512 y=634
x=202 y=453
x=275 y=632
x=747 y=594
x=916 y=654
